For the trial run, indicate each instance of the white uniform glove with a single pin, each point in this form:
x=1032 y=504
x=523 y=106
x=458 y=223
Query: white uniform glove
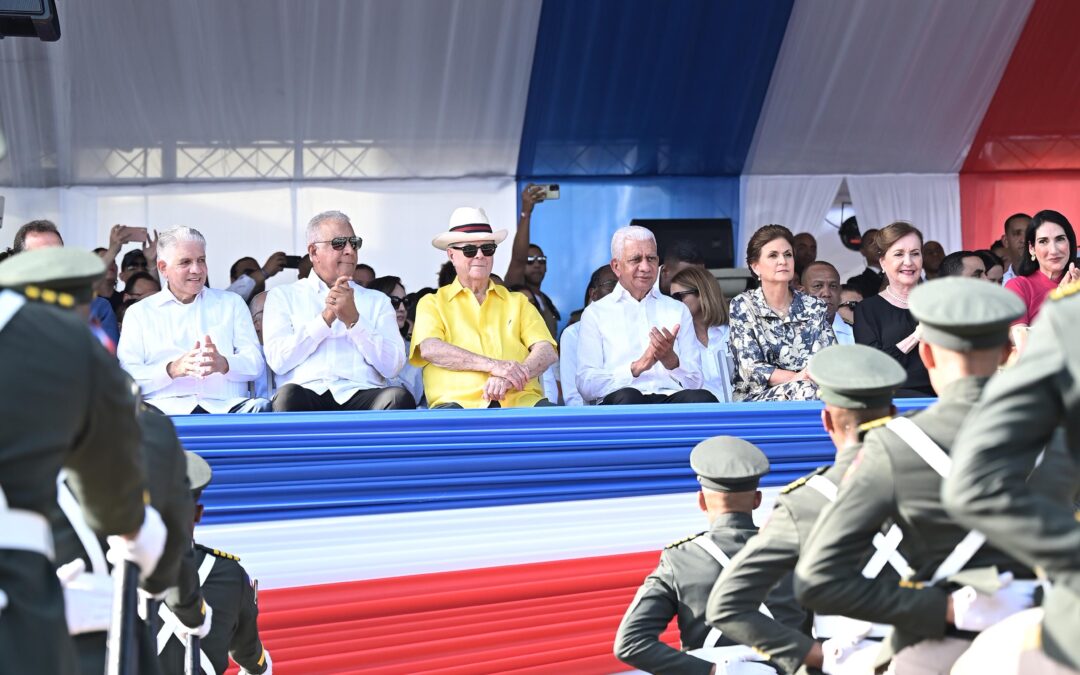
x=848 y=655
x=88 y=598
x=3 y=601
x=145 y=550
x=199 y=631
x=976 y=611
x=269 y=666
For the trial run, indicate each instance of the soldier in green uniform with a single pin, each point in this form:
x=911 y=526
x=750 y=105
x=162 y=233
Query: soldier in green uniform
x=231 y=593
x=857 y=384
x=67 y=405
x=897 y=475
x=997 y=449
x=728 y=469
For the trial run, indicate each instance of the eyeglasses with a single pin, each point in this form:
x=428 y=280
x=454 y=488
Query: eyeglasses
x=469 y=250
x=682 y=294
x=536 y=259
x=397 y=302
x=850 y=304
x=338 y=243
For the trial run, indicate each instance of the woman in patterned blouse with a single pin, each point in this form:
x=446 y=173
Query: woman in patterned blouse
x=775 y=330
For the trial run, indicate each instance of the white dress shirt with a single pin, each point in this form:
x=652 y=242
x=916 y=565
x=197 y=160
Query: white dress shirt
x=159 y=329
x=844 y=334
x=615 y=332
x=301 y=349
x=568 y=365
x=1009 y=274
x=717 y=365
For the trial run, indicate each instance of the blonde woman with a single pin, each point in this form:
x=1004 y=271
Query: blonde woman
x=698 y=289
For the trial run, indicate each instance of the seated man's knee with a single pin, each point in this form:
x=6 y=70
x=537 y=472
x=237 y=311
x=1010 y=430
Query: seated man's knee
x=693 y=396
x=624 y=396
x=394 y=398
x=290 y=397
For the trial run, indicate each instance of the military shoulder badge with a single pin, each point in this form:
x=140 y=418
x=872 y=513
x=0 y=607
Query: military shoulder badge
x=683 y=541
x=1065 y=291
x=799 y=482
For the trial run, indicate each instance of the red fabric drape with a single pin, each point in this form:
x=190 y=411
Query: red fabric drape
x=987 y=199
x=545 y=617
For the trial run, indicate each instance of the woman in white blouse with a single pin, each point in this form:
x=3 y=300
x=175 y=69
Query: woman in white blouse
x=698 y=289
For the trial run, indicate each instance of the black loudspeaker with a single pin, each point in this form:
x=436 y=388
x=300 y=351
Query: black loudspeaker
x=29 y=18
x=711 y=238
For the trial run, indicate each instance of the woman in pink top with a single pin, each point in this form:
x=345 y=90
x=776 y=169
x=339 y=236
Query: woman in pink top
x=1051 y=262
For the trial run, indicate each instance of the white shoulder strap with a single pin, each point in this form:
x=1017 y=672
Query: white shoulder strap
x=10 y=303
x=170 y=624
x=939 y=461
x=709 y=546
x=885 y=545
x=74 y=514
x=923 y=445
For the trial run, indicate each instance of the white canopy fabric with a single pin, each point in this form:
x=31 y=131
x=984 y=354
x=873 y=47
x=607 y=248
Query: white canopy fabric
x=883 y=87
x=268 y=89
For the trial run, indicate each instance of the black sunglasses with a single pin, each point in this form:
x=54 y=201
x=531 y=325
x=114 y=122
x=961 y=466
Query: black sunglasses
x=850 y=304
x=470 y=249
x=682 y=294
x=536 y=259
x=338 y=243
x=397 y=302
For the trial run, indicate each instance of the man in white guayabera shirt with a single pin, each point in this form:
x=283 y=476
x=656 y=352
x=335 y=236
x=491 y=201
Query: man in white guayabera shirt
x=192 y=349
x=332 y=343
x=637 y=345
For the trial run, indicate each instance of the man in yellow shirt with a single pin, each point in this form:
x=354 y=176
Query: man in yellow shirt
x=480 y=345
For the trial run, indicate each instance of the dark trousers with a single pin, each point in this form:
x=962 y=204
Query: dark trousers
x=294 y=398
x=542 y=403
x=631 y=396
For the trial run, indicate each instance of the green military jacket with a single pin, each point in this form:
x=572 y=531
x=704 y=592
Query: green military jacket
x=66 y=404
x=764 y=561
x=1022 y=408
x=234 y=630
x=888 y=480
x=680 y=587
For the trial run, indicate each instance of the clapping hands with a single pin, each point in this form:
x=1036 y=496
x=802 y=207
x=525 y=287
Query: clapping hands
x=201 y=361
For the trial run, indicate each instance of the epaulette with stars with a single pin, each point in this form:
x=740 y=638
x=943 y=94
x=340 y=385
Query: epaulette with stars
x=48 y=296
x=1065 y=291
x=799 y=482
x=684 y=540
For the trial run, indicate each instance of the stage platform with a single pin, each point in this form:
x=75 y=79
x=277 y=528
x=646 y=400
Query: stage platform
x=476 y=541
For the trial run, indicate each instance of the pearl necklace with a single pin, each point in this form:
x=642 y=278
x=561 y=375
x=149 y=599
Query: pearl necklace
x=902 y=301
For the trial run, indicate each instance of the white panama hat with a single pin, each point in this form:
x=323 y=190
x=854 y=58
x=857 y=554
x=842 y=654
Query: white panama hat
x=468 y=224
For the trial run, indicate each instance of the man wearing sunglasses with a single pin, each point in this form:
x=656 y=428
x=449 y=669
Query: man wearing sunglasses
x=332 y=343
x=479 y=344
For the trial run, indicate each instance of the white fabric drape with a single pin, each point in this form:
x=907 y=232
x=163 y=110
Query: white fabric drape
x=268 y=89
x=929 y=202
x=397 y=219
x=875 y=87
x=797 y=202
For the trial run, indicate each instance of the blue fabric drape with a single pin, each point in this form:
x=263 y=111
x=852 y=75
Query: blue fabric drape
x=637 y=87
x=304 y=465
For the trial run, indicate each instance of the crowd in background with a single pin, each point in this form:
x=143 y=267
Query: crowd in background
x=654 y=326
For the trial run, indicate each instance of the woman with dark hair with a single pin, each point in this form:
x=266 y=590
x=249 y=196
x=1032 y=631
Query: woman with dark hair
x=410 y=376
x=995 y=266
x=1050 y=262
x=775 y=330
x=698 y=289
x=884 y=321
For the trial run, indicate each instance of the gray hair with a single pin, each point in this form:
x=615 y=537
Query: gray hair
x=168 y=240
x=629 y=233
x=314 y=225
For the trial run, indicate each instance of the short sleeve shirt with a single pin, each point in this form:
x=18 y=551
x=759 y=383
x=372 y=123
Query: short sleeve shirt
x=503 y=327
